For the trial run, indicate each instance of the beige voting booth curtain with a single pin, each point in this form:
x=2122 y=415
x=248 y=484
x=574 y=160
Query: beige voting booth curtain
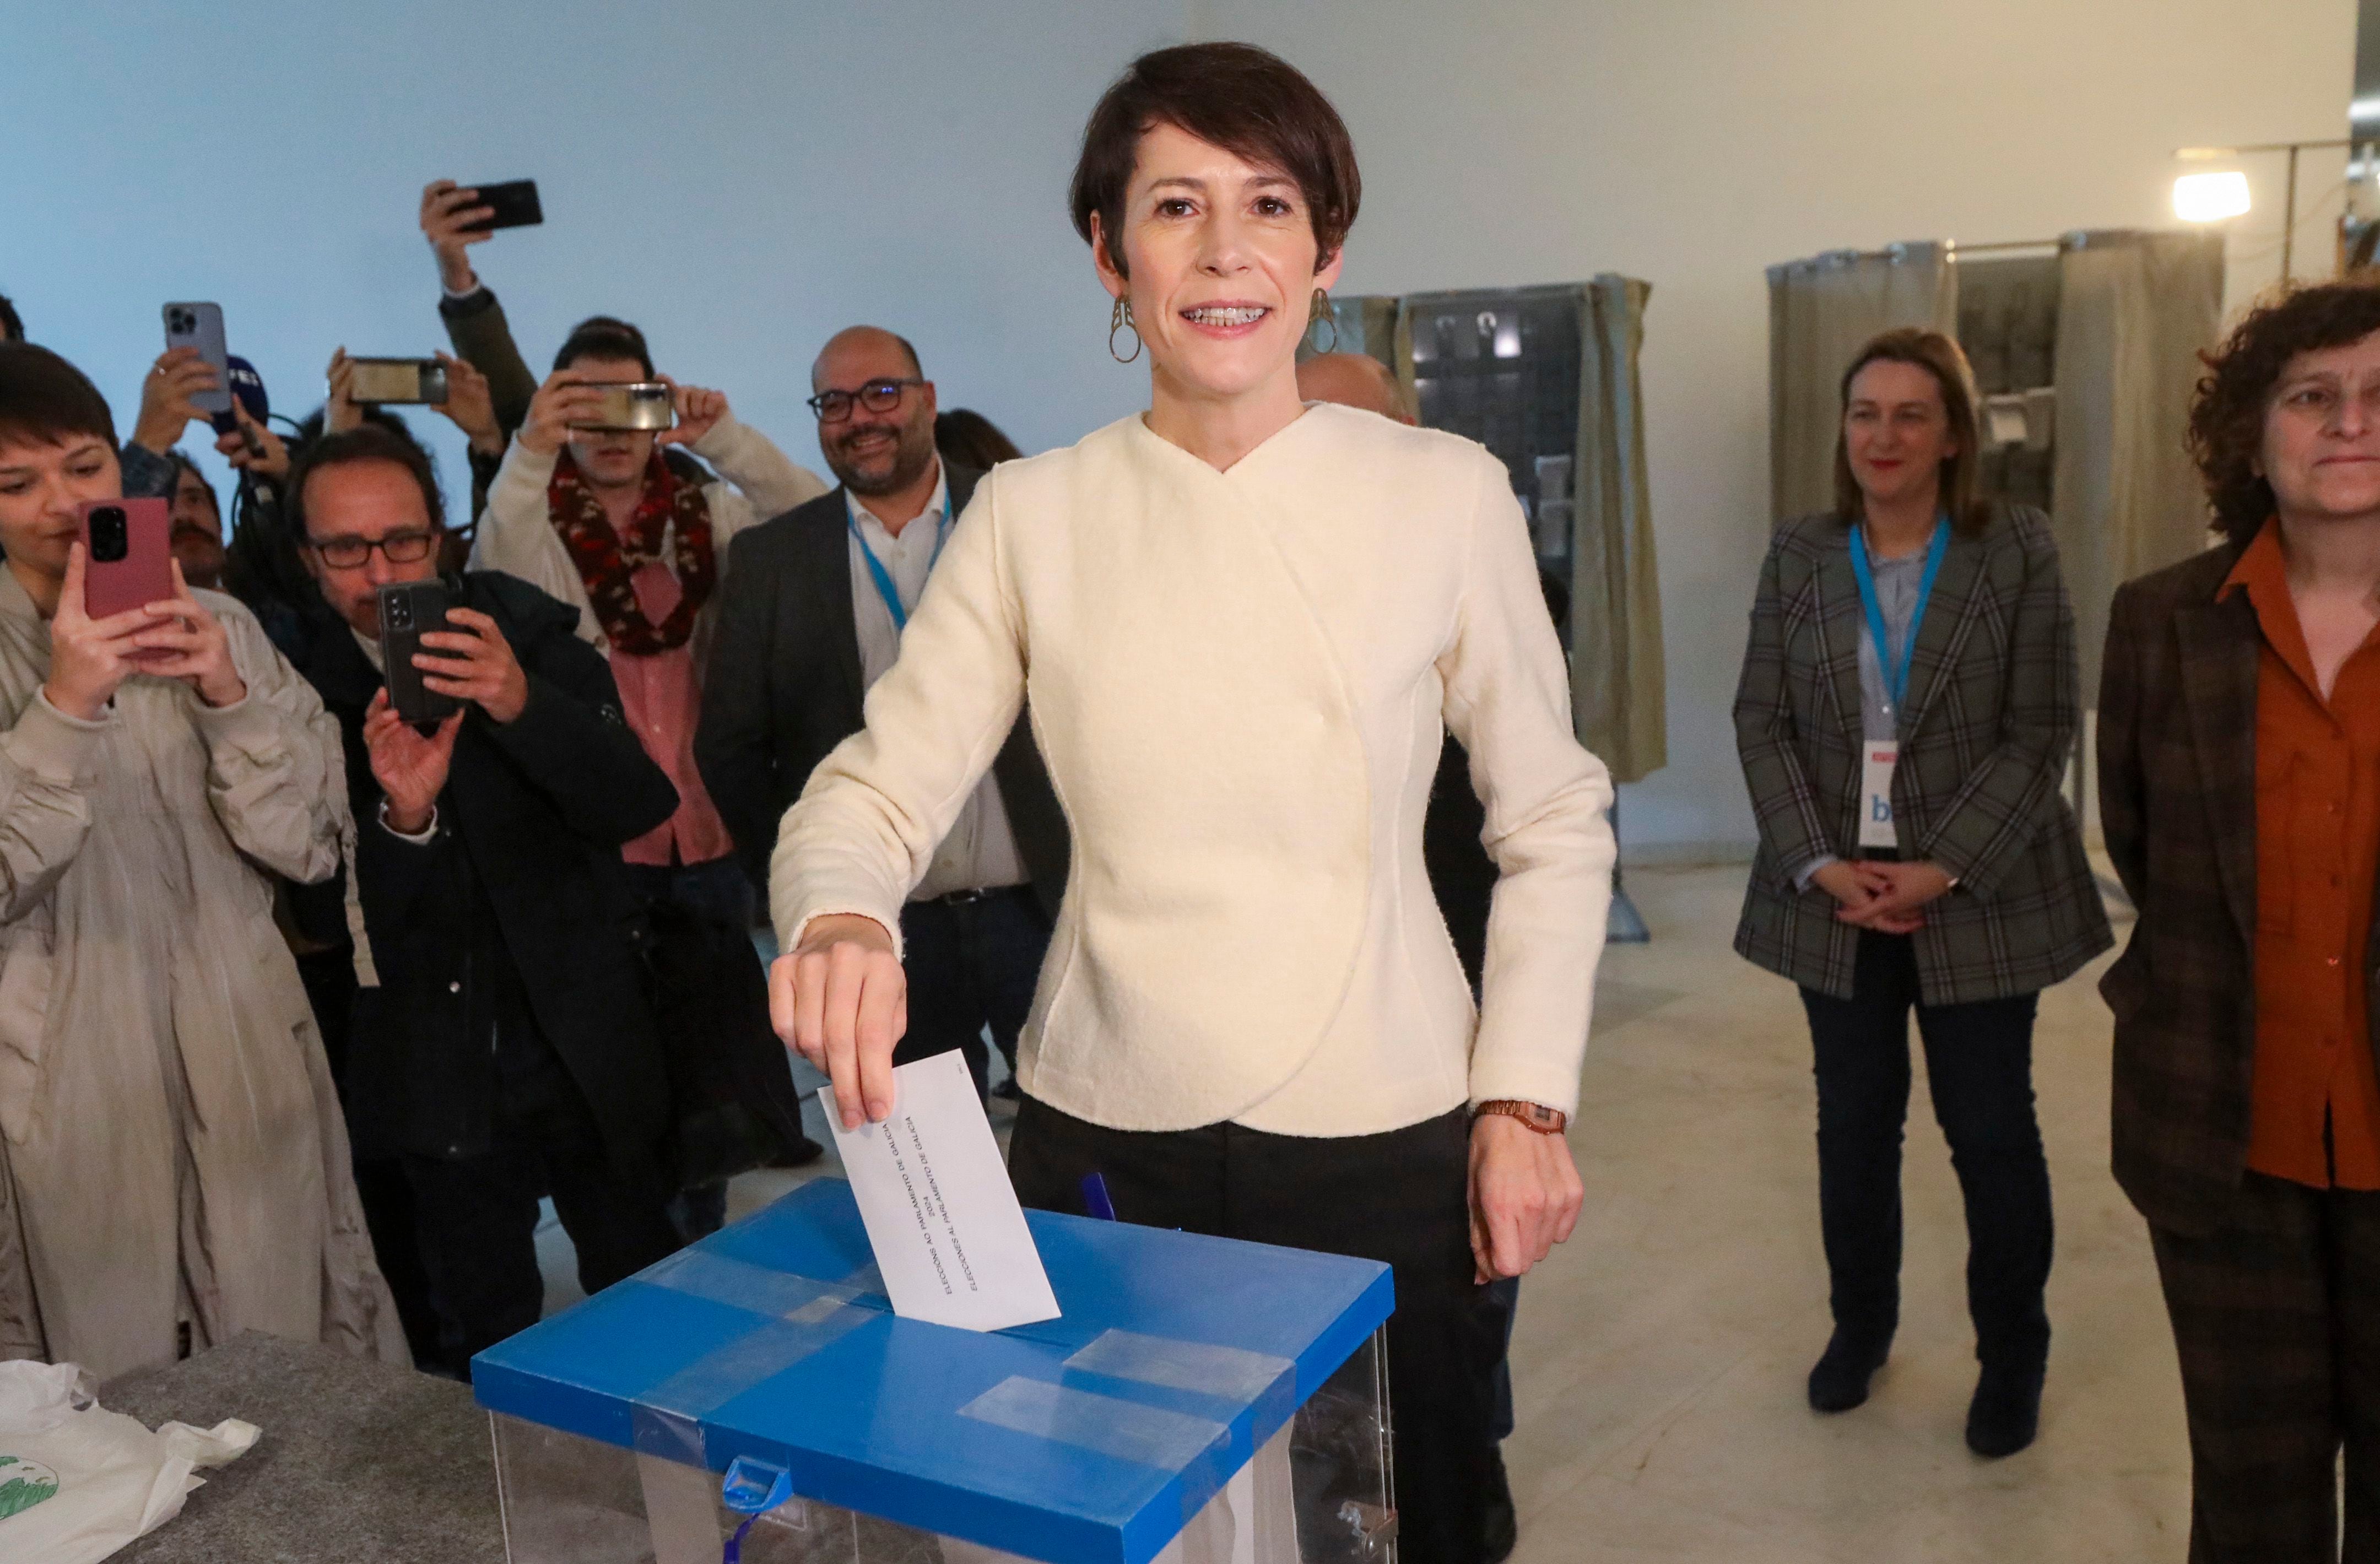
x=1618 y=690
x=2134 y=311
x=1820 y=312
x=1617 y=682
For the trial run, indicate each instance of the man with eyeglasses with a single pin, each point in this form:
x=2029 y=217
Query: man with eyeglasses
x=811 y=614
x=503 y=1047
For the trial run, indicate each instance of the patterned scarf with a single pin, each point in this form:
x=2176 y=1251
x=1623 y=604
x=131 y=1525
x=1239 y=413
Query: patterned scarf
x=608 y=562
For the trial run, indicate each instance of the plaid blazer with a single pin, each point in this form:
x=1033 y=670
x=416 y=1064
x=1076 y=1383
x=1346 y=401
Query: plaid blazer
x=1984 y=737
x=2177 y=797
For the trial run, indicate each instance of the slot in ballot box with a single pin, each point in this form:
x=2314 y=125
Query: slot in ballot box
x=1199 y=1400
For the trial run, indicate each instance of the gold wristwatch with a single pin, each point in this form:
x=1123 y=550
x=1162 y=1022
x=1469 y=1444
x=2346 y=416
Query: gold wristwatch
x=1536 y=1115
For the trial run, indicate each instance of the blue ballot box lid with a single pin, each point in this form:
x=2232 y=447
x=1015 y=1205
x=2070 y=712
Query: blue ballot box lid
x=1090 y=1438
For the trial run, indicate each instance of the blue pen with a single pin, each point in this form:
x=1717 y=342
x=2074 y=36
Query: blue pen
x=1095 y=1197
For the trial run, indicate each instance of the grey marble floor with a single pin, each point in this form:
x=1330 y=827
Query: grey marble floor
x=1660 y=1355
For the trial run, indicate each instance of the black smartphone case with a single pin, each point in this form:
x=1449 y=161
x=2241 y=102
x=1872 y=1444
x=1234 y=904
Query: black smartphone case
x=514 y=205
x=408 y=609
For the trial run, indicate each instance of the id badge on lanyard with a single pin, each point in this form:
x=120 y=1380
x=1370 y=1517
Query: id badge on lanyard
x=1877 y=757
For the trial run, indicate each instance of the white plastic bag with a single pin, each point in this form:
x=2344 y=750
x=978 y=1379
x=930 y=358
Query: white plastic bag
x=78 y=1483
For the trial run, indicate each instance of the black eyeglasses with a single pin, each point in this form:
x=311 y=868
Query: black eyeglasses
x=877 y=396
x=400 y=547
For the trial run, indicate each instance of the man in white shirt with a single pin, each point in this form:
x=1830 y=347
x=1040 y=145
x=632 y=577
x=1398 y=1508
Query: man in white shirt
x=810 y=616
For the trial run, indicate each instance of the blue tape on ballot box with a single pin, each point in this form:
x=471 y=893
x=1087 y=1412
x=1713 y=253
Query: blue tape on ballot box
x=1087 y=1439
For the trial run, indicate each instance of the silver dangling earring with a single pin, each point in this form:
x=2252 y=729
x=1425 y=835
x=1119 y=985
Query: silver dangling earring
x=1322 y=314
x=1122 y=320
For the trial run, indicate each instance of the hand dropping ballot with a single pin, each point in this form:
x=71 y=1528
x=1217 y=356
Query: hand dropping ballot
x=941 y=1214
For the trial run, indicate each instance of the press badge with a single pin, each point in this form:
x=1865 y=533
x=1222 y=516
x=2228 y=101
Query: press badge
x=1877 y=756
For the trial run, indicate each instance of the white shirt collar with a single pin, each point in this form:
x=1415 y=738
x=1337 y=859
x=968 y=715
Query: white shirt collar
x=874 y=529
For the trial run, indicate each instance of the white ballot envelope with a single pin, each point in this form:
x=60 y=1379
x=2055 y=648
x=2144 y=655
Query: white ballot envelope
x=941 y=1216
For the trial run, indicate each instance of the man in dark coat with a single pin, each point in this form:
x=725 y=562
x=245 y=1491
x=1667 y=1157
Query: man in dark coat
x=810 y=613
x=503 y=1044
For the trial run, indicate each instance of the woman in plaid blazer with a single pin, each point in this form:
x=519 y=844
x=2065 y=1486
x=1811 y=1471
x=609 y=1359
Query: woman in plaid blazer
x=1949 y=877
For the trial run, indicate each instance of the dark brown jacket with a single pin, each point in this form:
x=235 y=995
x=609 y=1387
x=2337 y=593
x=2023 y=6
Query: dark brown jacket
x=2178 y=799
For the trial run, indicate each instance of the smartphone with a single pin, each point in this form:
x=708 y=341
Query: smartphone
x=514 y=203
x=637 y=404
x=408 y=609
x=397 y=380
x=201 y=326
x=127 y=556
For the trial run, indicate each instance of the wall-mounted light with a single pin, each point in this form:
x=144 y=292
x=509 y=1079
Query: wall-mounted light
x=2210 y=198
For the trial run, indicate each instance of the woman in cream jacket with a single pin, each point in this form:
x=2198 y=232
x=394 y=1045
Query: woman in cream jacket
x=1240 y=623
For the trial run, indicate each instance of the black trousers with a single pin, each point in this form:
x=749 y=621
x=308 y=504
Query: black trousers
x=1979 y=1059
x=972 y=963
x=2277 y=1321
x=476 y=1216
x=1402 y=1197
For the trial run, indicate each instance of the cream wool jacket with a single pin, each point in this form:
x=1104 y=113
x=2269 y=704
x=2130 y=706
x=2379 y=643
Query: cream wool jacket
x=516 y=533
x=1238 y=680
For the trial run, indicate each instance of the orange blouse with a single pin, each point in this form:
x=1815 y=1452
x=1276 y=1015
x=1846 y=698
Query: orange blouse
x=2317 y=850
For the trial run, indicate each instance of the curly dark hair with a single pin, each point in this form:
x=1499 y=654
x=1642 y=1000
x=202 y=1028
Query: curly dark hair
x=2227 y=417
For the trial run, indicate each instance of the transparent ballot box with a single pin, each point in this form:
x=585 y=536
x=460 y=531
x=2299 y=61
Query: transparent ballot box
x=1199 y=1400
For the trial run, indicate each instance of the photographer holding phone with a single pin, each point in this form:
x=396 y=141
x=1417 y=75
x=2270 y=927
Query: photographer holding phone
x=173 y=1139
x=505 y=1048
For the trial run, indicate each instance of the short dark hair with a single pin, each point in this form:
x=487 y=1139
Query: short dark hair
x=12 y=325
x=182 y=464
x=366 y=443
x=605 y=337
x=1247 y=101
x=967 y=437
x=2227 y=417
x=1944 y=359
x=46 y=400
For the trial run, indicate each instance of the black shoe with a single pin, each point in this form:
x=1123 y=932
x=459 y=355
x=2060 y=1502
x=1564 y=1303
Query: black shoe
x=800 y=1154
x=1839 y=1382
x=1007 y=1090
x=1503 y=1529
x=2006 y=1413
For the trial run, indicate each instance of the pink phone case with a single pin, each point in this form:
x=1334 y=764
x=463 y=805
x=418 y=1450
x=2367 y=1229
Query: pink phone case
x=144 y=574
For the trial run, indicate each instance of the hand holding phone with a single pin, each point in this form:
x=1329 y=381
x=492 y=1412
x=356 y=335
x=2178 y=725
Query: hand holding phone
x=90 y=658
x=409 y=764
x=169 y=398
x=510 y=203
x=190 y=645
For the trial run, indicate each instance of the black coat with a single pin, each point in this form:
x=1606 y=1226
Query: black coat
x=530 y=825
x=784 y=686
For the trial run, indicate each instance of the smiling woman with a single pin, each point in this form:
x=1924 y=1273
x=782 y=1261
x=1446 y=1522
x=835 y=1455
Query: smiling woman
x=169 y=1134
x=1243 y=625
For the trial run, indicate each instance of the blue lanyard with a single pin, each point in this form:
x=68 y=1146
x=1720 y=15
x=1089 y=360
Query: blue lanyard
x=884 y=577
x=1896 y=675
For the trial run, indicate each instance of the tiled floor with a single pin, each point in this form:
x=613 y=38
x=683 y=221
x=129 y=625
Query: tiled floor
x=1660 y=1355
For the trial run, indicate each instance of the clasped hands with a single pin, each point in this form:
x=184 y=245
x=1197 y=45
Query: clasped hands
x=841 y=1001
x=1885 y=896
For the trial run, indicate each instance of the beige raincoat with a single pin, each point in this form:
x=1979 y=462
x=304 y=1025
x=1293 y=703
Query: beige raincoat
x=173 y=1148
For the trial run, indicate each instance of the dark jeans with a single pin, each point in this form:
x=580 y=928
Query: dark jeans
x=1979 y=1060
x=1402 y=1197
x=476 y=1216
x=971 y=963
x=720 y=891
x=2277 y=1321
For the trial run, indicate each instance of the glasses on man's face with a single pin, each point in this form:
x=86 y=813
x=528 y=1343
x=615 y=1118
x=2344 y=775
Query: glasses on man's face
x=877 y=396
x=399 y=548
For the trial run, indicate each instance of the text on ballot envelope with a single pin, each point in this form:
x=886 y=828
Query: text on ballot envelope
x=941 y=1216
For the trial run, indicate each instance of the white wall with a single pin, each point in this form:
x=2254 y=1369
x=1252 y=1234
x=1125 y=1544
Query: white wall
x=742 y=178
x=1690 y=142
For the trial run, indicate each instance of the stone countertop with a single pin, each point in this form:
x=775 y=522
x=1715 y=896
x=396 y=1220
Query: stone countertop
x=357 y=1460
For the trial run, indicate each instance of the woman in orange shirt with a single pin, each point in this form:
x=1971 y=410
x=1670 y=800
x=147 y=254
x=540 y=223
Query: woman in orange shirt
x=2240 y=752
